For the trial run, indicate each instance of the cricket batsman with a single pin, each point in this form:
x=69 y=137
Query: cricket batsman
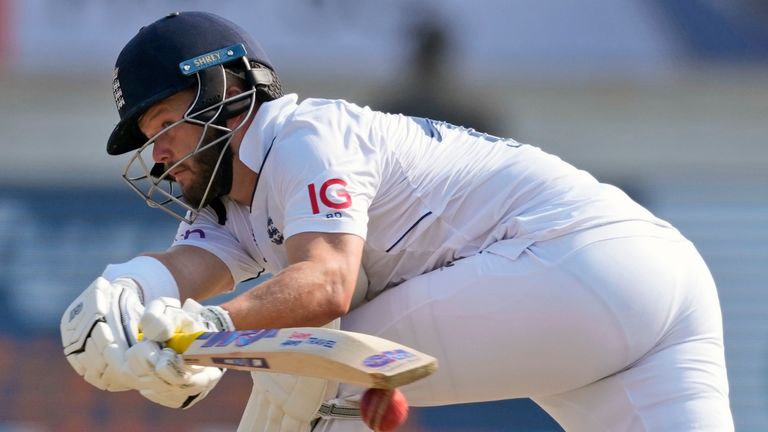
x=523 y=275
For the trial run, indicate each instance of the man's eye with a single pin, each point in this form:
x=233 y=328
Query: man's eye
x=167 y=124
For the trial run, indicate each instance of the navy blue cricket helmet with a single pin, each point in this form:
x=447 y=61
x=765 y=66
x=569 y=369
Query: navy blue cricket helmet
x=172 y=54
x=204 y=53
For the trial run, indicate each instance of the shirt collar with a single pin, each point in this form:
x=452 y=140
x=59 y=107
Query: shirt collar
x=265 y=126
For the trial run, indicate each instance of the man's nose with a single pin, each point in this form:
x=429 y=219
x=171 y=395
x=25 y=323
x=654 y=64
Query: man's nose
x=161 y=151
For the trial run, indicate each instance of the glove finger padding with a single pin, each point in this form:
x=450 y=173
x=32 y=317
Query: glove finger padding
x=98 y=327
x=164 y=316
x=171 y=369
x=163 y=378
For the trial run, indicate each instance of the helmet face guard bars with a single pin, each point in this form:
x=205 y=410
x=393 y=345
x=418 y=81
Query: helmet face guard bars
x=153 y=181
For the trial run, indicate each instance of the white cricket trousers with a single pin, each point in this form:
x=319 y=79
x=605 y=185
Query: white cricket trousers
x=619 y=331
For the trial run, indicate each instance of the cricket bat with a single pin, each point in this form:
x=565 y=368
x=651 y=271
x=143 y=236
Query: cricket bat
x=337 y=355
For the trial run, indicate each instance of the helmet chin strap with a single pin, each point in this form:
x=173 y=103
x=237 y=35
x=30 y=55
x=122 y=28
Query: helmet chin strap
x=213 y=88
x=223 y=176
x=221 y=181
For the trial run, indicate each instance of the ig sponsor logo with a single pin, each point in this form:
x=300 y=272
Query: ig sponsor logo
x=333 y=194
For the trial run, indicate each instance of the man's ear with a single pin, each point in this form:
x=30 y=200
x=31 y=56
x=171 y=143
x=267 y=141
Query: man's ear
x=234 y=90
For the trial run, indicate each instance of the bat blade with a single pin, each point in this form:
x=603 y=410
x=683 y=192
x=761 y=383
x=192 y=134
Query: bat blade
x=337 y=355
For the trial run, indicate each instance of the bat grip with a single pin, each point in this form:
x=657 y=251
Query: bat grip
x=179 y=342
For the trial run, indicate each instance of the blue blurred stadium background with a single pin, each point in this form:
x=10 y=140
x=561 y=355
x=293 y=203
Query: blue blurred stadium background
x=667 y=99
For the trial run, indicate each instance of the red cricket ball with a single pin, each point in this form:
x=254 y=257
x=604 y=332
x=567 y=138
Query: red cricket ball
x=384 y=410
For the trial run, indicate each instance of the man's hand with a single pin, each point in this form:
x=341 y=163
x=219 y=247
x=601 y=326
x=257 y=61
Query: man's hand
x=162 y=376
x=165 y=316
x=98 y=328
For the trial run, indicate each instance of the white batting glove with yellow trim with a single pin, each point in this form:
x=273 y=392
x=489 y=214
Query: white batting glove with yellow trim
x=161 y=375
x=98 y=328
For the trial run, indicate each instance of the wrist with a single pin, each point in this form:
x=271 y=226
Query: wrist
x=219 y=317
x=152 y=277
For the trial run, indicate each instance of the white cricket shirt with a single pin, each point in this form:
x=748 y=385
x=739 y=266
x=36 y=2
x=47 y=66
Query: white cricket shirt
x=420 y=192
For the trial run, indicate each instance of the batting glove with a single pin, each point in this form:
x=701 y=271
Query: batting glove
x=98 y=328
x=162 y=376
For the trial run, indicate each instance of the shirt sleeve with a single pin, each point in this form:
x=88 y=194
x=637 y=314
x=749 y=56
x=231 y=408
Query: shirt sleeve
x=220 y=240
x=328 y=177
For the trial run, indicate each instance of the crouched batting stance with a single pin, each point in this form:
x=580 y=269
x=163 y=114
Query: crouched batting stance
x=523 y=275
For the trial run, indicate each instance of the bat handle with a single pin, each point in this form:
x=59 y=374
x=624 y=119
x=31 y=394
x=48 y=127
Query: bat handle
x=179 y=342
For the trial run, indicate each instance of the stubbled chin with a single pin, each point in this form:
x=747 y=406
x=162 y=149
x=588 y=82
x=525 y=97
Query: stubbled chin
x=182 y=177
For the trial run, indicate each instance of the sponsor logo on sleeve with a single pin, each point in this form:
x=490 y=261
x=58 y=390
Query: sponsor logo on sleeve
x=332 y=194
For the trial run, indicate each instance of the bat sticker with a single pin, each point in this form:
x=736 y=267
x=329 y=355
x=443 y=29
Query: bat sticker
x=387 y=357
x=336 y=355
x=252 y=362
x=238 y=338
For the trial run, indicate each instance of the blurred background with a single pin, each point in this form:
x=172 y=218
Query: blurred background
x=667 y=99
